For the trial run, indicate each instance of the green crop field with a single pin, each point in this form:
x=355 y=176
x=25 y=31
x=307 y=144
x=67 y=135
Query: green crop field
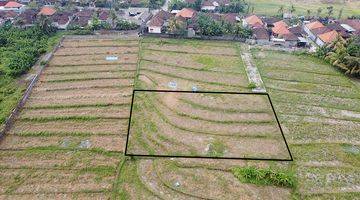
x=271 y=7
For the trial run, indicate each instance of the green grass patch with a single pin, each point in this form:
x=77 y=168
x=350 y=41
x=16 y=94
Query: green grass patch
x=266 y=176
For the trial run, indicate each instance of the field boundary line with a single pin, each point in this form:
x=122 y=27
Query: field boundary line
x=10 y=120
x=205 y=157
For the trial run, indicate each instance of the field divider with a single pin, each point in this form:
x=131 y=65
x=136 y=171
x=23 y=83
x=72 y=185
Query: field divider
x=86 y=79
x=10 y=120
x=89 y=72
x=90 y=54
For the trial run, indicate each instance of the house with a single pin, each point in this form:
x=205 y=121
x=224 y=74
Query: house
x=297 y=30
x=156 y=23
x=269 y=21
x=47 y=11
x=14 y=6
x=344 y=33
x=252 y=21
x=83 y=18
x=186 y=13
x=311 y=26
x=61 y=20
x=231 y=18
x=104 y=16
x=2 y=4
x=351 y=25
x=280 y=28
x=8 y=15
x=326 y=38
x=261 y=35
x=26 y=18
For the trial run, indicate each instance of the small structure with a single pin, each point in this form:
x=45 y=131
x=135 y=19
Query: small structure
x=156 y=24
x=261 y=35
x=186 y=13
x=311 y=26
x=252 y=21
x=61 y=20
x=14 y=6
x=326 y=38
x=47 y=11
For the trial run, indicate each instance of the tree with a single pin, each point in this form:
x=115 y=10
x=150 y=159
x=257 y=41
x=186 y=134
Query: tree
x=308 y=13
x=242 y=32
x=340 y=13
x=340 y=57
x=318 y=12
x=176 y=27
x=45 y=24
x=281 y=10
x=113 y=17
x=292 y=8
x=208 y=26
x=330 y=10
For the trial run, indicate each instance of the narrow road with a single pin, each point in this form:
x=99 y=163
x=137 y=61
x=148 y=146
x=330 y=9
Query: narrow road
x=252 y=71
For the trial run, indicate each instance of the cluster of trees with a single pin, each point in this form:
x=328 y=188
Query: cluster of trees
x=344 y=54
x=20 y=48
x=211 y=27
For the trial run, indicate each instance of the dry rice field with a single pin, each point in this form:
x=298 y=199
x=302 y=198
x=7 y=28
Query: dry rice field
x=68 y=141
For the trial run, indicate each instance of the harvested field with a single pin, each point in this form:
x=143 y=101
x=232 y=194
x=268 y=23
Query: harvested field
x=319 y=109
x=198 y=66
x=160 y=125
x=69 y=139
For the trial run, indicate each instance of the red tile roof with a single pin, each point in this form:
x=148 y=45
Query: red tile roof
x=280 y=28
x=47 y=10
x=329 y=36
x=313 y=25
x=253 y=19
x=13 y=4
x=3 y=3
x=186 y=13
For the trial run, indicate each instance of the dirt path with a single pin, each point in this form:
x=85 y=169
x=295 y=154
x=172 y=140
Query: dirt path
x=252 y=71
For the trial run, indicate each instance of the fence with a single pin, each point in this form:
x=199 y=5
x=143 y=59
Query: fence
x=10 y=120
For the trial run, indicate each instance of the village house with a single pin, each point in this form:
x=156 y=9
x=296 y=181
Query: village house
x=61 y=20
x=14 y=6
x=252 y=21
x=309 y=27
x=326 y=38
x=158 y=22
x=47 y=11
x=26 y=18
x=261 y=35
x=104 y=16
x=186 y=13
x=83 y=18
x=7 y=16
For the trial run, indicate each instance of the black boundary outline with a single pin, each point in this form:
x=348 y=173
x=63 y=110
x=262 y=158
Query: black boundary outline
x=206 y=157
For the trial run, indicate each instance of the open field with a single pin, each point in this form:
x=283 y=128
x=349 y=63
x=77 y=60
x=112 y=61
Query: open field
x=172 y=124
x=69 y=140
x=319 y=109
x=271 y=7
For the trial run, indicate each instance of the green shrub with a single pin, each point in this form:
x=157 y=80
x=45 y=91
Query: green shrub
x=252 y=85
x=266 y=176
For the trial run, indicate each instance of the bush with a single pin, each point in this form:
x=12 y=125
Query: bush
x=124 y=25
x=265 y=176
x=252 y=85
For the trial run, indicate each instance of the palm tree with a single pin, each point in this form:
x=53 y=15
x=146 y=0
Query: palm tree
x=308 y=13
x=340 y=57
x=281 y=10
x=318 y=12
x=330 y=10
x=292 y=9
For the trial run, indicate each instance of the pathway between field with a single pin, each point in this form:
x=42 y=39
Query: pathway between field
x=252 y=71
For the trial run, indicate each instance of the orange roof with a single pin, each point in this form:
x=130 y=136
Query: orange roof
x=47 y=10
x=13 y=4
x=186 y=13
x=280 y=28
x=329 y=36
x=313 y=25
x=253 y=19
